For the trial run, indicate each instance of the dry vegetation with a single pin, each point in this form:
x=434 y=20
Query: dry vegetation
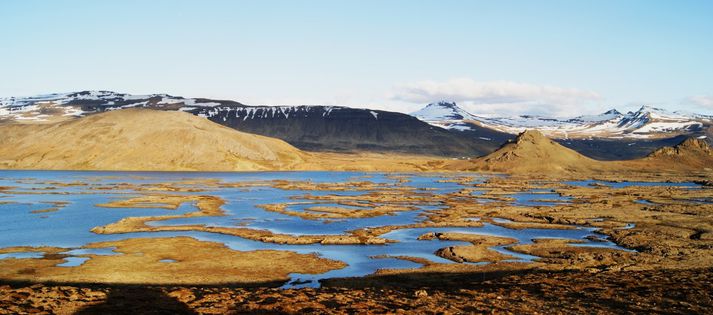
x=178 y=260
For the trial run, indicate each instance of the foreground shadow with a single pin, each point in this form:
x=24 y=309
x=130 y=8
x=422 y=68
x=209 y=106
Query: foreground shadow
x=680 y=291
x=440 y=280
x=119 y=299
x=137 y=300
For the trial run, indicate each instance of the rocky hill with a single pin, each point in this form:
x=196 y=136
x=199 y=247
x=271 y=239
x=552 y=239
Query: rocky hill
x=532 y=152
x=691 y=153
x=689 y=147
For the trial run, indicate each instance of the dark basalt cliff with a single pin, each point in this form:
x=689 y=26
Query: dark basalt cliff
x=328 y=128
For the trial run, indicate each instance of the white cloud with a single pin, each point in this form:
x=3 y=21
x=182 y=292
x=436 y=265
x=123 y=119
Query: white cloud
x=705 y=101
x=500 y=97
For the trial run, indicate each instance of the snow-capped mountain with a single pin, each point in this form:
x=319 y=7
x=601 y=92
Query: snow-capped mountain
x=446 y=115
x=309 y=127
x=647 y=122
x=52 y=107
x=442 y=110
x=335 y=128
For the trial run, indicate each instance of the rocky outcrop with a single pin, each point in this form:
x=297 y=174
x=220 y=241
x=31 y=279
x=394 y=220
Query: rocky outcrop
x=692 y=153
x=532 y=152
x=688 y=147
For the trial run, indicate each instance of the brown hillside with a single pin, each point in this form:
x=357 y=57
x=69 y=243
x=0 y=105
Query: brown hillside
x=532 y=152
x=687 y=148
x=140 y=139
x=690 y=154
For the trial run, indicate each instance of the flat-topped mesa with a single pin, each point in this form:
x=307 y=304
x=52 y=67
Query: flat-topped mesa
x=687 y=148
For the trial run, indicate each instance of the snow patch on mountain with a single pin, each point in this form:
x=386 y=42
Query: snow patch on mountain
x=647 y=122
x=445 y=115
x=76 y=104
x=47 y=106
x=440 y=111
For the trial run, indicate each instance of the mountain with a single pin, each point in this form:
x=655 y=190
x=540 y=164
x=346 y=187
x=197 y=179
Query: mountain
x=63 y=106
x=439 y=129
x=607 y=136
x=449 y=115
x=446 y=115
x=691 y=152
x=647 y=123
x=140 y=139
x=314 y=128
x=340 y=129
x=688 y=147
x=532 y=152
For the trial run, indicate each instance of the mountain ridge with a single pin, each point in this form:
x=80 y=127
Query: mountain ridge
x=326 y=128
x=308 y=127
x=646 y=123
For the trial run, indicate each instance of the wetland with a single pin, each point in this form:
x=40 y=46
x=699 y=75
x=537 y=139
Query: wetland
x=319 y=230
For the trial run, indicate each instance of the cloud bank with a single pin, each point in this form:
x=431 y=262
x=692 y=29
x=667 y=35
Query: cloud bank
x=499 y=97
x=705 y=101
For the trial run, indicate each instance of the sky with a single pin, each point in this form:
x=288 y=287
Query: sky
x=498 y=58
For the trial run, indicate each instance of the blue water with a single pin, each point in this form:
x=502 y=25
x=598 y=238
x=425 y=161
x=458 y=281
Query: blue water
x=699 y=201
x=538 y=198
x=589 y=183
x=70 y=226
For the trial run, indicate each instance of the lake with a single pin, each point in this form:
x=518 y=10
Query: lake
x=59 y=208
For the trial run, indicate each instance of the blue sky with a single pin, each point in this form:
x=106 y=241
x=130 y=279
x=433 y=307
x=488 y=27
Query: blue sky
x=494 y=57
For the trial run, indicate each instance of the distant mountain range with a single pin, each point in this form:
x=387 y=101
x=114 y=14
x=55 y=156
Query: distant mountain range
x=439 y=129
x=646 y=123
x=608 y=136
x=308 y=127
x=153 y=140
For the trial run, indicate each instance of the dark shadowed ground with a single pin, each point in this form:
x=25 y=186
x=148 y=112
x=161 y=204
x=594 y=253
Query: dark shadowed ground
x=649 y=292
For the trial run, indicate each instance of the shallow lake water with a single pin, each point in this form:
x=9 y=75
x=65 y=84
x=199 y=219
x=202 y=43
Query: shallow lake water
x=624 y=184
x=33 y=213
